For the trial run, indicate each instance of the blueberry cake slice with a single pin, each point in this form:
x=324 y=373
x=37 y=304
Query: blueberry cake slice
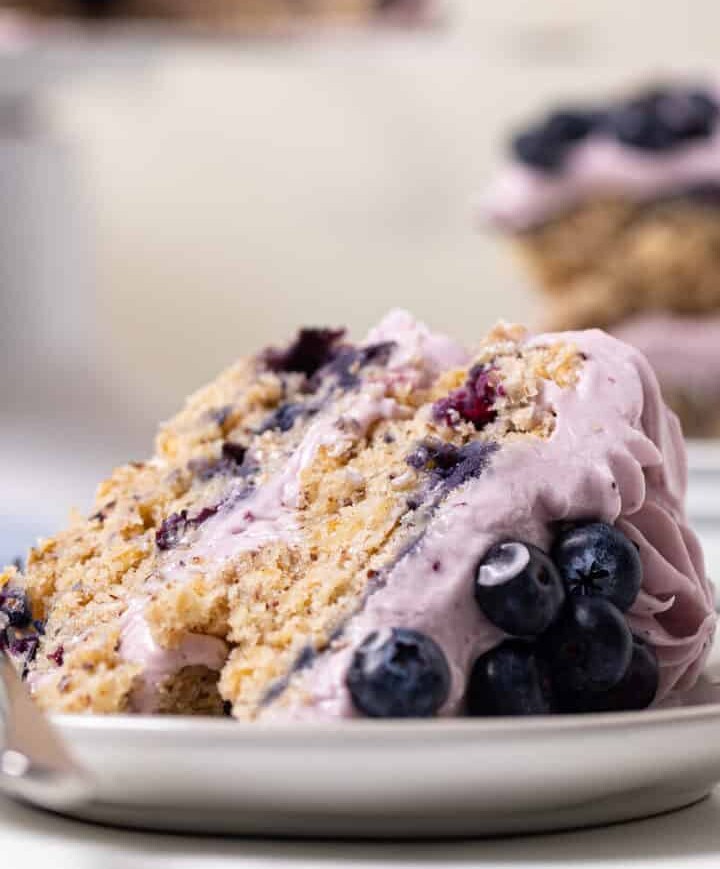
x=614 y=209
x=398 y=528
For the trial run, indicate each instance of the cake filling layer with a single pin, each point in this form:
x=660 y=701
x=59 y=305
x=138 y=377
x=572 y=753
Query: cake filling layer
x=268 y=512
x=138 y=646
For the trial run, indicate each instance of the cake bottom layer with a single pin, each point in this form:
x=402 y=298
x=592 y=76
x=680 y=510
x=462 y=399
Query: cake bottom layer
x=611 y=258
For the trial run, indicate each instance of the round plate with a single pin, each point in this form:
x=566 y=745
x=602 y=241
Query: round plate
x=703 y=500
x=382 y=779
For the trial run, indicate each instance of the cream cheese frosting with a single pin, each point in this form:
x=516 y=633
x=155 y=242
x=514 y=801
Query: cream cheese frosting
x=138 y=646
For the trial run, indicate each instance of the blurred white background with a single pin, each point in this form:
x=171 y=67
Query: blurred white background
x=170 y=203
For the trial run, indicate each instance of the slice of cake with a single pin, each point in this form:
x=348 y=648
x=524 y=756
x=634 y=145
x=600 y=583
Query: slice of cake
x=398 y=528
x=614 y=209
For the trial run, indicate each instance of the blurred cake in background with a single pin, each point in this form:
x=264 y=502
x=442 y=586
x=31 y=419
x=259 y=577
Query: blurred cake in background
x=615 y=209
x=254 y=13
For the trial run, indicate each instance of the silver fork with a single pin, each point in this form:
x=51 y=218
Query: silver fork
x=34 y=764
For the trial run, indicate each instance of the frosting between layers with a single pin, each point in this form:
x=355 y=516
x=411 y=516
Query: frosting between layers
x=268 y=513
x=616 y=455
x=138 y=646
x=683 y=351
x=522 y=197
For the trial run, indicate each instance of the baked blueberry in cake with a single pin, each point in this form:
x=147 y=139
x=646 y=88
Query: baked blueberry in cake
x=614 y=209
x=397 y=528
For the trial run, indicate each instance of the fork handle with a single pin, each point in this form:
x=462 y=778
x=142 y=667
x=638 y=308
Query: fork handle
x=34 y=763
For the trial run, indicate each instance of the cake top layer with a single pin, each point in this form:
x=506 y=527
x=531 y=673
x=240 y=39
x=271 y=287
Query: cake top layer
x=660 y=143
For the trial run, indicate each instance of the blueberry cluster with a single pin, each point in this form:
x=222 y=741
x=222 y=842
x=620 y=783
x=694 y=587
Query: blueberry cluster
x=657 y=120
x=570 y=648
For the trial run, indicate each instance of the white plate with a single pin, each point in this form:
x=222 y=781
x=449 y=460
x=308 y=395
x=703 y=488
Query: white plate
x=419 y=779
x=704 y=481
x=416 y=779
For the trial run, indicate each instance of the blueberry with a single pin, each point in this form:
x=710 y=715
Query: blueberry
x=519 y=589
x=510 y=680
x=233 y=452
x=347 y=363
x=687 y=115
x=704 y=103
x=539 y=151
x=450 y=466
x=588 y=648
x=598 y=560
x=311 y=350
x=636 y=689
x=176 y=525
x=14 y=604
x=399 y=673
x=283 y=417
x=474 y=402
x=58 y=656
x=568 y=125
x=638 y=124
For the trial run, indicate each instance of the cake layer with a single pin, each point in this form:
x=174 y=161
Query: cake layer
x=610 y=259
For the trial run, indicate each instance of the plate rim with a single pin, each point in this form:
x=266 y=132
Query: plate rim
x=360 y=730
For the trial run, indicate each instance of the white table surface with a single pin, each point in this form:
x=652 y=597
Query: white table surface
x=688 y=838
